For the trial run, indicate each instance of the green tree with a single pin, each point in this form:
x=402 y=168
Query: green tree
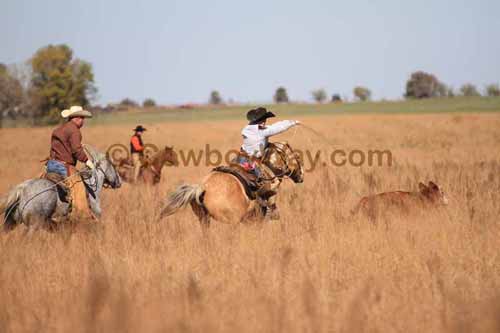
x=493 y=90
x=319 y=95
x=215 y=98
x=59 y=81
x=281 y=96
x=469 y=89
x=149 y=103
x=423 y=85
x=362 y=93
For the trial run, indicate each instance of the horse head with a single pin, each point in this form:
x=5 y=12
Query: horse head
x=284 y=161
x=170 y=156
x=111 y=176
x=103 y=165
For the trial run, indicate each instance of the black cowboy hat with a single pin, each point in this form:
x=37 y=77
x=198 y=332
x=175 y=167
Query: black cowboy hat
x=139 y=128
x=258 y=115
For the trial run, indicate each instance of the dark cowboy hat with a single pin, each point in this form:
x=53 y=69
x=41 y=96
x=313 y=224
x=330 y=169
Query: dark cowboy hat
x=139 y=128
x=258 y=115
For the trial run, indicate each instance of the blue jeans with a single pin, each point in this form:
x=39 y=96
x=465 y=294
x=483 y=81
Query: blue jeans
x=57 y=167
x=243 y=160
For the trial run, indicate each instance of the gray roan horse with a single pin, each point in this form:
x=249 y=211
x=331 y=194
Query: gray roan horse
x=35 y=202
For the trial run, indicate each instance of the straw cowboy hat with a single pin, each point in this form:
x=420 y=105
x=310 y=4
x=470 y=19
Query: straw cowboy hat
x=76 y=111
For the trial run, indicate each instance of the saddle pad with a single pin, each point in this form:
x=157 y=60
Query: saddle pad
x=58 y=180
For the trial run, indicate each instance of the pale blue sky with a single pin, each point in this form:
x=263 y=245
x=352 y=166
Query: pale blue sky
x=178 y=51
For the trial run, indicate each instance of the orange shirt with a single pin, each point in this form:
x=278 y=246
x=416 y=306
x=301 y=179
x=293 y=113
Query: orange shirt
x=136 y=143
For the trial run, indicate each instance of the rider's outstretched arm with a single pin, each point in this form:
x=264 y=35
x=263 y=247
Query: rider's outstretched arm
x=278 y=127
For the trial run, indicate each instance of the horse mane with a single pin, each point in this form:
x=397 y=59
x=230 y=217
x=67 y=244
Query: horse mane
x=95 y=155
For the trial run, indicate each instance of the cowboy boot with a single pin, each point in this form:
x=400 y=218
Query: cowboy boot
x=269 y=209
x=69 y=198
x=62 y=186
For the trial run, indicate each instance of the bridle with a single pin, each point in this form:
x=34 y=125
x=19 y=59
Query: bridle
x=156 y=171
x=284 y=156
x=98 y=167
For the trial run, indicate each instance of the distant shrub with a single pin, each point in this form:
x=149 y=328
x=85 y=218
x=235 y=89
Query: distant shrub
x=450 y=92
x=362 y=93
x=336 y=98
x=281 y=96
x=493 y=90
x=319 y=95
x=442 y=90
x=215 y=98
x=129 y=103
x=469 y=89
x=149 y=103
x=424 y=85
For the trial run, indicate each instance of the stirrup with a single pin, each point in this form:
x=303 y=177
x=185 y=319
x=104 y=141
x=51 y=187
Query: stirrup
x=272 y=212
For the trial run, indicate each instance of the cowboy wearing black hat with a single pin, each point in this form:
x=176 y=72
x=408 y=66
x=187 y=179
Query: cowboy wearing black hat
x=255 y=141
x=137 y=150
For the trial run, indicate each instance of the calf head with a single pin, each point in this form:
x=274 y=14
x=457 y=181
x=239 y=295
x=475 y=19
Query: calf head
x=433 y=193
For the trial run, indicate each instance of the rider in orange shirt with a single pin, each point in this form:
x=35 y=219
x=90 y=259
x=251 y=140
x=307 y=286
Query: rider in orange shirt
x=137 y=150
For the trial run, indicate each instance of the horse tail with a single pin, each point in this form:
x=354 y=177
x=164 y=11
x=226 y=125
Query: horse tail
x=10 y=201
x=181 y=197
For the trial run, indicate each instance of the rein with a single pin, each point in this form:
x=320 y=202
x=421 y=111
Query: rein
x=98 y=167
x=283 y=155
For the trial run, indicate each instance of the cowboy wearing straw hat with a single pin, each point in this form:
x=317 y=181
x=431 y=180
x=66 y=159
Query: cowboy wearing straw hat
x=66 y=150
x=255 y=140
x=137 y=150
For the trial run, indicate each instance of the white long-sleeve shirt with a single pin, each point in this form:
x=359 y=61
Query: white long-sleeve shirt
x=255 y=139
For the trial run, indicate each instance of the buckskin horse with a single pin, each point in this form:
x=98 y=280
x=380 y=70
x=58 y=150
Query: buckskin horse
x=150 y=173
x=223 y=197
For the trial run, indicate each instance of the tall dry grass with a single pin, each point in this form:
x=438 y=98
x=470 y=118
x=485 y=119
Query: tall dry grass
x=316 y=270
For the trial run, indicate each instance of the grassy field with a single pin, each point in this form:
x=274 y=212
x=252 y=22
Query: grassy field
x=316 y=270
x=214 y=113
x=447 y=105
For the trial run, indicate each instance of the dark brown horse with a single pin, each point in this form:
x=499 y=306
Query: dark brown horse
x=150 y=173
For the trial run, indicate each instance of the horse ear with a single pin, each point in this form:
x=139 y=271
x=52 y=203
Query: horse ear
x=433 y=186
x=422 y=187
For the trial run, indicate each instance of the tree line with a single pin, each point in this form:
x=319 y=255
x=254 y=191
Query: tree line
x=53 y=79
x=420 y=85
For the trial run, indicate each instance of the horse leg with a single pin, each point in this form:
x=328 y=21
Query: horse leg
x=9 y=224
x=145 y=176
x=33 y=224
x=10 y=221
x=202 y=214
